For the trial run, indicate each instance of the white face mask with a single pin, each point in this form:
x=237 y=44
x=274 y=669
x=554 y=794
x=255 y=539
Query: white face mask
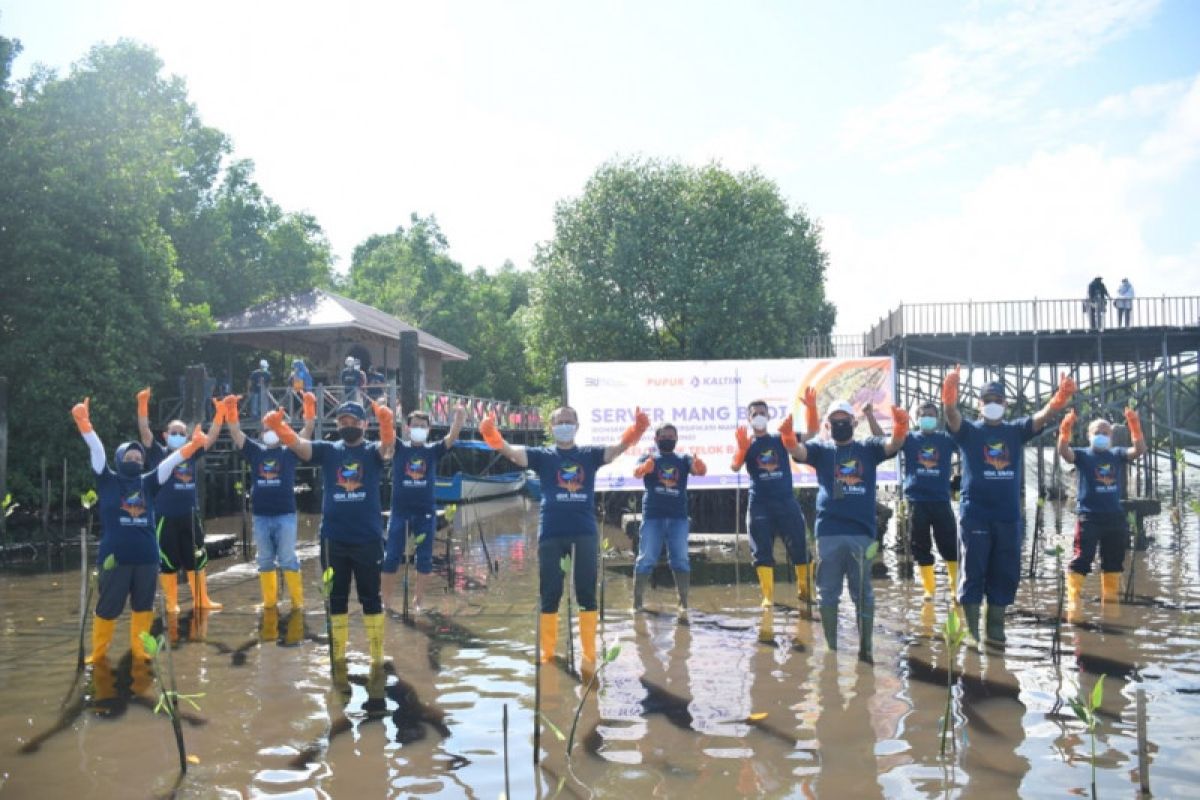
x=993 y=411
x=564 y=432
x=418 y=435
x=270 y=438
x=758 y=422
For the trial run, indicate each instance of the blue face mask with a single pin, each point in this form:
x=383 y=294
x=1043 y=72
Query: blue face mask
x=564 y=432
x=1101 y=442
x=927 y=424
x=176 y=440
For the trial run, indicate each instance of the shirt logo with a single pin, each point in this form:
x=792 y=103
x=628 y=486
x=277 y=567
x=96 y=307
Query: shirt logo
x=415 y=468
x=1105 y=474
x=668 y=476
x=849 y=472
x=134 y=504
x=768 y=460
x=995 y=455
x=184 y=472
x=349 y=476
x=570 y=476
x=268 y=469
x=928 y=457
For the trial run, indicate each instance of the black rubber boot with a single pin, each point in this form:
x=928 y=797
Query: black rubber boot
x=639 y=589
x=971 y=611
x=995 y=625
x=829 y=625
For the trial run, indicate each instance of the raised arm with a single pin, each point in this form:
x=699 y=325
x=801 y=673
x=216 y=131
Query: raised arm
x=950 y=400
x=456 y=425
x=812 y=419
x=310 y=416
x=630 y=437
x=790 y=442
x=1135 y=434
x=872 y=423
x=699 y=468
x=176 y=457
x=1064 y=437
x=1062 y=396
x=83 y=420
x=228 y=408
x=214 y=429
x=288 y=437
x=743 y=444
x=900 y=423
x=387 y=430
x=143 y=418
x=491 y=435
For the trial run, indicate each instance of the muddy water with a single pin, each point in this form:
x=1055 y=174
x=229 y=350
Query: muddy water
x=737 y=704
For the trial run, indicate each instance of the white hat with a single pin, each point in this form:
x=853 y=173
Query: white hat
x=263 y=364
x=840 y=405
x=349 y=361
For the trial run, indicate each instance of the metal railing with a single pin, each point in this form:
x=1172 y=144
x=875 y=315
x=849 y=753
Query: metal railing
x=1024 y=316
x=838 y=345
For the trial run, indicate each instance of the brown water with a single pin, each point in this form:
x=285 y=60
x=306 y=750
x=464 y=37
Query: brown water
x=679 y=711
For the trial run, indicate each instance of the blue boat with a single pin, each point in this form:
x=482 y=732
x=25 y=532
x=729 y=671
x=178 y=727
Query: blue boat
x=460 y=488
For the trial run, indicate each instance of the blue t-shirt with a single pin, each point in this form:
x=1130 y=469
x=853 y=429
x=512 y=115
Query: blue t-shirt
x=351 y=511
x=414 y=470
x=260 y=379
x=351 y=378
x=993 y=468
x=568 y=488
x=769 y=466
x=273 y=473
x=1101 y=476
x=927 y=466
x=177 y=497
x=127 y=519
x=846 y=481
x=666 y=487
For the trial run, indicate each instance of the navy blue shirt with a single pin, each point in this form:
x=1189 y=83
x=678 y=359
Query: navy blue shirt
x=769 y=467
x=666 y=486
x=846 y=481
x=927 y=466
x=259 y=379
x=414 y=469
x=273 y=476
x=1101 y=475
x=127 y=519
x=993 y=468
x=351 y=511
x=568 y=488
x=177 y=497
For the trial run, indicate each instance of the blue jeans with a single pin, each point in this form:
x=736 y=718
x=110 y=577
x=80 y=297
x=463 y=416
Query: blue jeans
x=650 y=544
x=990 y=554
x=844 y=558
x=550 y=575
x=275 y=539
x=402 y=525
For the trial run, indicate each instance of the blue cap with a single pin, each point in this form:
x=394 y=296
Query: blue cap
x=995 y=388
x=126 y=447
x=351 y=409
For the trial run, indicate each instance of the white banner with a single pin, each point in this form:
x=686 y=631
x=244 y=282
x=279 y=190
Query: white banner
x=706 y=401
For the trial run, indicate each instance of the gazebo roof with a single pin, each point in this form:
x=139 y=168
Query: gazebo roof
x=317 y=318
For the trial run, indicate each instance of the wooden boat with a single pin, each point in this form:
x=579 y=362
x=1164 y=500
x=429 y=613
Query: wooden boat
x=460 y=488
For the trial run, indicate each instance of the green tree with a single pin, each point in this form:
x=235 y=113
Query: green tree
x=658 y=260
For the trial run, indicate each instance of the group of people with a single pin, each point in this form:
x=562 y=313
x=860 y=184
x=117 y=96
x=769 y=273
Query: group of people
x=1096 y=304
x=151 y=530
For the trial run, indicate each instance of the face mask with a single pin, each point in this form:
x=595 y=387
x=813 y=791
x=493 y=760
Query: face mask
x=665 y=445
x=176 y=440
x=418 y=435
x=842 y=430
x=758 y=422
x=564 y=432
x=270 y=438
x=993 y=411
x=350 y=434
x=130 y=469
x=1101 y=442
x=927 y=424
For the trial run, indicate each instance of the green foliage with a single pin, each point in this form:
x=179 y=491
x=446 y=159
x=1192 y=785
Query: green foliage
x=110 y=562
x=657 y=260
x=953 y=634
x=1085 y=710
x=327 y=581
x=88 y=498
x=564 y=564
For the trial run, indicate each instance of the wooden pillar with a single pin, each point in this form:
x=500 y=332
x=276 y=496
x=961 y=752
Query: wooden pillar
x=3 y=456
x=192 y=414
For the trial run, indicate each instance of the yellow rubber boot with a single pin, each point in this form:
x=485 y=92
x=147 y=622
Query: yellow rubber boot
x=549 y=636
x=270 y=588
x=295 y=628
x=1074 y=590
x=1110 y=587
x=374 y=625
x=102 y=633
x=269 y=631
x=170 y=589
x=339 y=632
x=805 y=589
x=200 y=598
x=587 y=634
x=928 y=582
x=952 y=574
x=295 y=587
x=766 y=584
x=139 y=623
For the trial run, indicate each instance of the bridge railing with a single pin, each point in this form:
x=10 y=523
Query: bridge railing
x=1023 y=316
x=838 y=345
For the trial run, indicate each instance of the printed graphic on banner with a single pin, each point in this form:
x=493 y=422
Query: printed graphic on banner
x=706 y=401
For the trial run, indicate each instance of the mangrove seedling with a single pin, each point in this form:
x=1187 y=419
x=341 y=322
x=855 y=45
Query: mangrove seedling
x=168 y=698
x=609 y=657
x=1085 y=709
x=564 y=564
x=410 y=548
x=953 y=633
x=1060 y=582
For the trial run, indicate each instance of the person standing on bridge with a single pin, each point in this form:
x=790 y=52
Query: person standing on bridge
x=1099 y=518
x=990 y=527
x=414 y=510
x=1097 y=303
x=665 y=514
x=1124 y=302
x=258 y=387
x=351 y=516
x=273 y=501
x=772 y=509
x=180 y=529
x=568 y=517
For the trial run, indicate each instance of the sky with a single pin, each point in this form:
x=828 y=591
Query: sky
x=949 y=150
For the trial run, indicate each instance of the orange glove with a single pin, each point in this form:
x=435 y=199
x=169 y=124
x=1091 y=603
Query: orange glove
x=218 y=412
x=787 y=434
x=1135 y=425
x=1066 y=426
x=812 y=420
x=310 y=406
x=643 y=469
x=698 y=466
x=387 y=422
x=950 y=388
x=83 y=415
x=634 y=432
x=230 y=401
x=274 y=421
x=199 y=440
x=490 y=433
x=1066 y=388
x=143 y=398
x=900 y=422
x=743 y=443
